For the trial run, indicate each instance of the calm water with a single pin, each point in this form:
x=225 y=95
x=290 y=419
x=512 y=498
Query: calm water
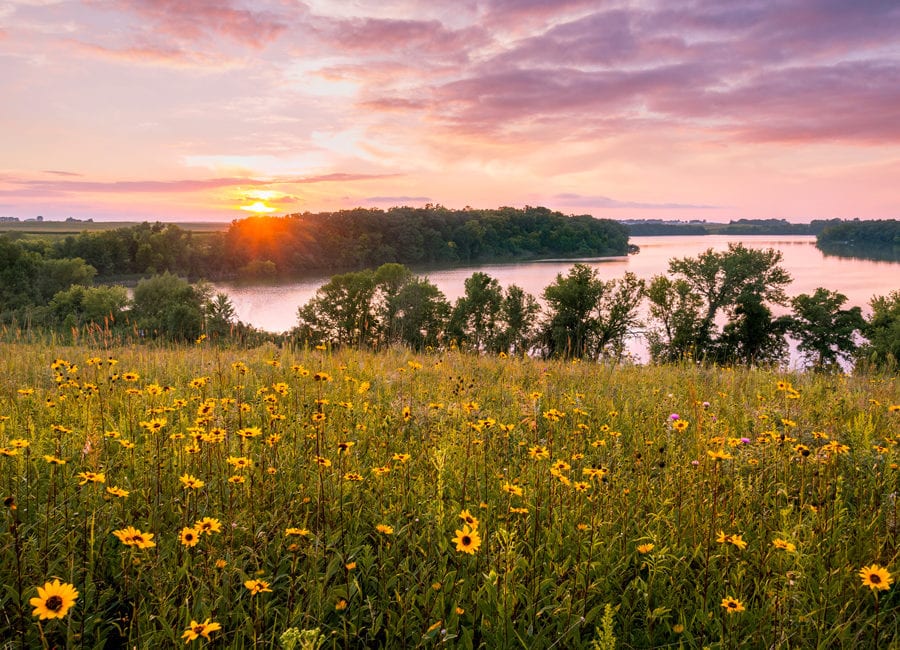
x=273 y=307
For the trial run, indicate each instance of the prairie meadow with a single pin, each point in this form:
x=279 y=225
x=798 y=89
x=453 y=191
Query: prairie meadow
x=194 y=496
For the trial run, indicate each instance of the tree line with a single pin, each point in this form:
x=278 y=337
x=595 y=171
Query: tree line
x=344 y=240
x=715 y=307
x=879 y=240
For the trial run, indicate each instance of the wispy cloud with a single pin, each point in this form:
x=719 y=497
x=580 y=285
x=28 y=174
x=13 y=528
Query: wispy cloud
x=57 y=172
x=393 y=200
x=605 y=202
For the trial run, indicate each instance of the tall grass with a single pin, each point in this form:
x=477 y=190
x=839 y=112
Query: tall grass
x=615 y=504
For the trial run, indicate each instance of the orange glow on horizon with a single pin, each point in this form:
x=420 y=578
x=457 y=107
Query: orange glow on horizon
x=259 y=207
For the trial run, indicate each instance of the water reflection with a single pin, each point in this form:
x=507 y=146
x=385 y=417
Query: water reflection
x=274 y=307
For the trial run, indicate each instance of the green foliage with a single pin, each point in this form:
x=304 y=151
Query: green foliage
x=878 y=239
x=359 y=238
x=79 y=305
x=883 y=332
x=167 y=306
x=476 y=318
x=606 y=637
x=675 y=312
x=587 y=317
x=738 y=283
x=826 y=332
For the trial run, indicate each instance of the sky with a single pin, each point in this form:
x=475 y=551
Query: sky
x=201 y=110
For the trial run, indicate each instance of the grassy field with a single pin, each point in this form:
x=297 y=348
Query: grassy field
x=270 y=498
x=52 y=229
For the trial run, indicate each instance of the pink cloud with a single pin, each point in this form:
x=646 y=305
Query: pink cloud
x=200 y=19
x=422 y=38
x=148 y=54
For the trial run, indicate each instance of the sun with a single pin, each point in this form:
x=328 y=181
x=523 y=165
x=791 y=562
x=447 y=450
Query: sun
x=259 y=207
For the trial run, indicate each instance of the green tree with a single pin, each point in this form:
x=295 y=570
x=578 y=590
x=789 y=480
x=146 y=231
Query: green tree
x=219 y=316
x=617 y=314
x=341 y=312
x=55 y=275
x=587 y=317
x=519 y=312
x=752 y=336
x=79 y=305
x=676 y=312
x=571 y=327
x=737 y=283
x=420 y=313
x=882 y=330
x=18 y=268
x=389 y=279
x=476 y=318
x=167 y=306
x=826 y=333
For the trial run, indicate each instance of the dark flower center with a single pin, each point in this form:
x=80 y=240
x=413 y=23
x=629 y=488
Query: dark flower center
x=875 y=578
x=54 y=603
x=466 y=540
x=198 y=629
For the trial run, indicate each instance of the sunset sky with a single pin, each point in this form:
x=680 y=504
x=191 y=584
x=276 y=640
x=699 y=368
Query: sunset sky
x=194 y=109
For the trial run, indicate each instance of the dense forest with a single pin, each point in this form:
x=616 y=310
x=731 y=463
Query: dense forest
x=344 y=240
x=878 y=240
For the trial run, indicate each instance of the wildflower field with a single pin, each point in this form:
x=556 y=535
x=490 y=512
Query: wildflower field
x=164 y=497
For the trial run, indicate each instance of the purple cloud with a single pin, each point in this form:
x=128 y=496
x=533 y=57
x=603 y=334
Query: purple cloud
x=422 y=38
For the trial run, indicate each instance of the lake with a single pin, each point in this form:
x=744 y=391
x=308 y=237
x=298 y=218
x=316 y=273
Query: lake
x=273 y=307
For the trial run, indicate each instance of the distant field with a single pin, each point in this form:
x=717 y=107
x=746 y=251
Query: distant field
x=75 y=227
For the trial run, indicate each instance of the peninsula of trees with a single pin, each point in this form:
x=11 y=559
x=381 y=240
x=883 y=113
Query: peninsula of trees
x=878 y=240
x=346 y=240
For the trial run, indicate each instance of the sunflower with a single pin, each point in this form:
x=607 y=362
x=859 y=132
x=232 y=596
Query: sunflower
x=732 y=605
x=384 y=528
x=875 y=577
x=299 y=532
x=469 y=518
x=467 y=540
x=189 y=536
x=784 y=545
x=208 y=525
x=203 y=629
x=54 y=600
x=680 y=425
x=191 y=482
x=643 y=549
x=257 y=586
x=91 y=477
x=736 y=540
